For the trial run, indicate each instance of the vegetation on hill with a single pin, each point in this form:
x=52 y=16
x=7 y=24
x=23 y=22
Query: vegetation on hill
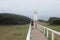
x=10 y=19
x=54 y=21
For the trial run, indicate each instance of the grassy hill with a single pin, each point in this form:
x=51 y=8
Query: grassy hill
x=13 y=27
x=13 y=19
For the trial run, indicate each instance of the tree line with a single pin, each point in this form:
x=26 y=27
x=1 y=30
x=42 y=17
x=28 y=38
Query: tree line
x=13 y=19
x=52 y=21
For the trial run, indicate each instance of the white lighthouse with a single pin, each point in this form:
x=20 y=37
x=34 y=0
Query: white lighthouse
x=35 y=19
x=35 y=16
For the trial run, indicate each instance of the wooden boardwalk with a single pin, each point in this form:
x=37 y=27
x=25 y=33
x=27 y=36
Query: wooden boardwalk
x=37 y=35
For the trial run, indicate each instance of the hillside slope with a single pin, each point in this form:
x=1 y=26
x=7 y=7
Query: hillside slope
x=7 y=18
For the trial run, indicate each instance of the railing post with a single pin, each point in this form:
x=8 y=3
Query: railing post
x=44 y=31
x=41 y=29
x=47 y=33
x=52 y=36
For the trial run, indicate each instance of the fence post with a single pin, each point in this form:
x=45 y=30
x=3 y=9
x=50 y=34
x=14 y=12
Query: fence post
x=52 y=36
x=41 y=29
x=44 y=31
x=47 y=33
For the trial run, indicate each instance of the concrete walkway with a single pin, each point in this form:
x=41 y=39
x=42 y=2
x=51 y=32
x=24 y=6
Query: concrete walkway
x=37 y=35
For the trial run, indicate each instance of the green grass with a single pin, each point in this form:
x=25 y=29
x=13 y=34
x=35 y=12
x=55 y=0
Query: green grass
x=57 y=28
x=13 y=32
x=54 y=27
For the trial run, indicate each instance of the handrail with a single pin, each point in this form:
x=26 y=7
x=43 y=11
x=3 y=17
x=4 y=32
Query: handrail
x=28 y=34
x=58 y=33
x=48 y=29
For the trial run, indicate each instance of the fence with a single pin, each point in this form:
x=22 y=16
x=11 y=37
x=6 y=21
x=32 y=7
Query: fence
x=44 y=29
x=29 y=33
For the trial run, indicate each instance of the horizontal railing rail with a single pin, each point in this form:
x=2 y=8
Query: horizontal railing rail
x=48 y=29
x=29 y=33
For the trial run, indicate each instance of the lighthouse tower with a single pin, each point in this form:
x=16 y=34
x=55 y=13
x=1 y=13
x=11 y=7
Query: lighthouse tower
x=35 y=19
x=35 y=16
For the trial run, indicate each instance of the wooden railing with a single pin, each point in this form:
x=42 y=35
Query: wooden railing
x=44 y=29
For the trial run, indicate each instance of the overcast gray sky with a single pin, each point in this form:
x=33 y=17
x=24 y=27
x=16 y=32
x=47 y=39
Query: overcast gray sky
x=45 y=8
